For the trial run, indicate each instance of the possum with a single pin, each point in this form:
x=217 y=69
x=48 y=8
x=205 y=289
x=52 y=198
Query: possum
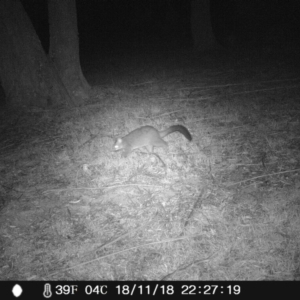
x=149 y=137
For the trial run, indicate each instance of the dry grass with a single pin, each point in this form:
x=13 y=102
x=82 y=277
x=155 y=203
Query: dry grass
x=226 y=207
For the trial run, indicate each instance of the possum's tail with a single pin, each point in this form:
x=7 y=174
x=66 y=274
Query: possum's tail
x=183 y=130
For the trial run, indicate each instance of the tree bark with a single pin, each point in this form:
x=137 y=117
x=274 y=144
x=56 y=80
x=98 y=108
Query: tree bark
x=64 y=47
x=202 y=32
x=26 y=74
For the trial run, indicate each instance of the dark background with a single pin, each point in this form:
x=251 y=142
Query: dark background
x=112 y=26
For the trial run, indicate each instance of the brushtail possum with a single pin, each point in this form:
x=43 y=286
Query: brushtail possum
x=149 y=137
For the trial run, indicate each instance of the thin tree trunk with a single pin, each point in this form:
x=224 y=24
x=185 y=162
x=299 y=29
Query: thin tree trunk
x=64 y=47
x=201 y=26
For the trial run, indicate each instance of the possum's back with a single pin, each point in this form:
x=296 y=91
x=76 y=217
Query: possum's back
x=142 y=136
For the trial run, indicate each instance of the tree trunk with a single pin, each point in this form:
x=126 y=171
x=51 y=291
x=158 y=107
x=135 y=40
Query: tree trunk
x=26 y=74
x=64 y=47
x=201 y=26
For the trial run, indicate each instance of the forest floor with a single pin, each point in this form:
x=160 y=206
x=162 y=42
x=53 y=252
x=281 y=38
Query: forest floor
x=225 y=207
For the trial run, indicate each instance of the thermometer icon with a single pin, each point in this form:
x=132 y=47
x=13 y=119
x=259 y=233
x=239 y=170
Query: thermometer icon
x=47 y=291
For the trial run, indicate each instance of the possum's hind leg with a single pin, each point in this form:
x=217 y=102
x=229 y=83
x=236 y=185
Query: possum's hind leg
x=150 y=150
